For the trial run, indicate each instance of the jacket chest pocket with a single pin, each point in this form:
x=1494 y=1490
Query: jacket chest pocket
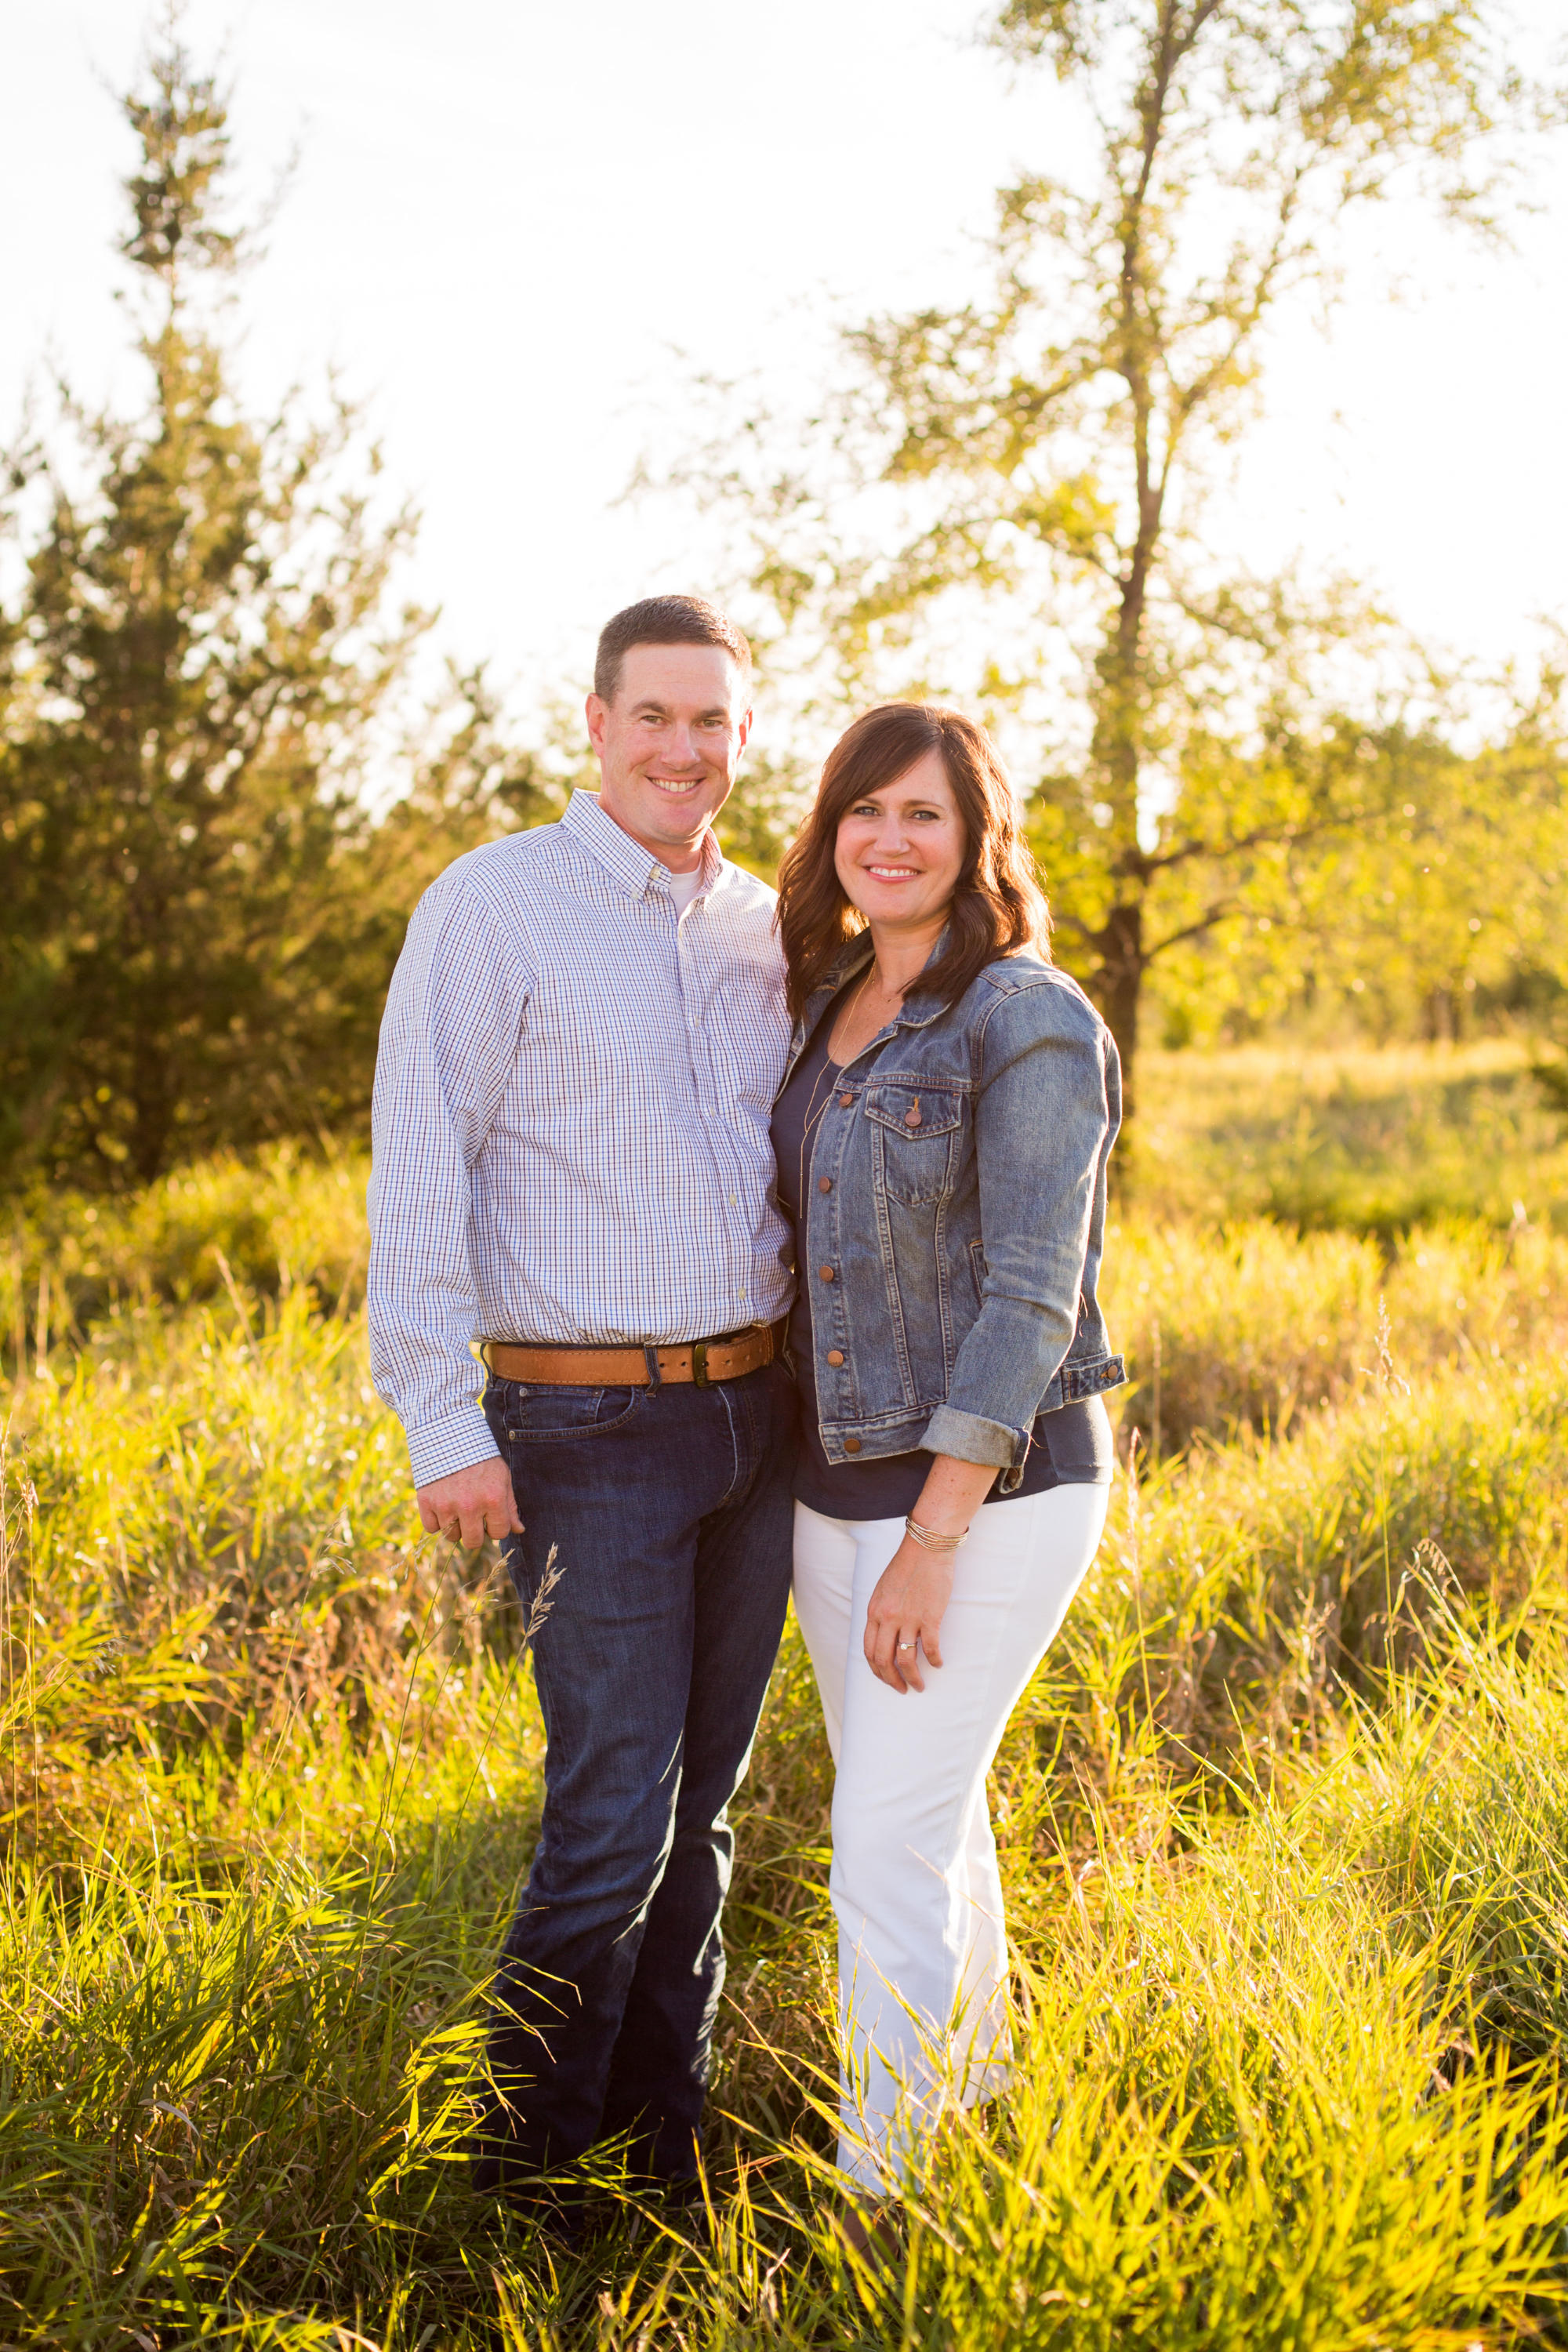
x=916 y=1134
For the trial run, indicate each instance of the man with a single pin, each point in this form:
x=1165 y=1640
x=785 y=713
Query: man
x=580 y=1047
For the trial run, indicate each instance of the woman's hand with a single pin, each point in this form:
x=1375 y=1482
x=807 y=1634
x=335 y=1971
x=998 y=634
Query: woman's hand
x=904 y=1619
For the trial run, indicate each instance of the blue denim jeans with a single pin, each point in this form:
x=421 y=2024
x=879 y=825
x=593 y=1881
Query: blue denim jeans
x=669 y=1513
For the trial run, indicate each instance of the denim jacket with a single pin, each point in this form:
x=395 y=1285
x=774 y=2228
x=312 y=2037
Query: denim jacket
x=955 y=1218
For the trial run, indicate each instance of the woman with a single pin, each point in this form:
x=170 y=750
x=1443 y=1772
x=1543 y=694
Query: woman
x=947 y=1109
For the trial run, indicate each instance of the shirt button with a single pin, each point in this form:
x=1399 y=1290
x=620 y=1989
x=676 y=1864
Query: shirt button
x=845 y=1101
x=826 y=1271
x=852 y=1445
x=836 y=1355
x=825 y=1183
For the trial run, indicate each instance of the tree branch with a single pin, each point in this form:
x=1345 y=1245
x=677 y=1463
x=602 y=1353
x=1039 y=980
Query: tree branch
x=1264 y=836
x=1217 y=914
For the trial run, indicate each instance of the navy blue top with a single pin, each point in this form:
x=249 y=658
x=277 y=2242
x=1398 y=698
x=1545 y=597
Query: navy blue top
x=1070 y=1447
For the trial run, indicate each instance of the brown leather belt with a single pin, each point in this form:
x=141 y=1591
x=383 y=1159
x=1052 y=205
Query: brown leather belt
x=705 y=1361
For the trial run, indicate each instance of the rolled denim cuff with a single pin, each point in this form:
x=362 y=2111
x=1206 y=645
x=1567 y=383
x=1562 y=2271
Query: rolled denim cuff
x=460 y=1441
x=970 y=1438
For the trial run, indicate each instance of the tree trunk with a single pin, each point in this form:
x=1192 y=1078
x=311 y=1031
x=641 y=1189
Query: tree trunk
x=152 y=1096
x=1117 y=984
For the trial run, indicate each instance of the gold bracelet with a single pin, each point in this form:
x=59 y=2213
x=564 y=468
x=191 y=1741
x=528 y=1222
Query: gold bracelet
x=928 y=1539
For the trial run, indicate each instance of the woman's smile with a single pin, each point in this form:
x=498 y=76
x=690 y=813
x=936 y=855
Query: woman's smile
x=918 y=809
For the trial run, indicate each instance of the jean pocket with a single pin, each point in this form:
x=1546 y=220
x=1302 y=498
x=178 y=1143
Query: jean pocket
x=555 y=1416
x=916 y=1136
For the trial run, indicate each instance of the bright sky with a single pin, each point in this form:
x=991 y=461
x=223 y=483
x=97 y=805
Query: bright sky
x=509 y=219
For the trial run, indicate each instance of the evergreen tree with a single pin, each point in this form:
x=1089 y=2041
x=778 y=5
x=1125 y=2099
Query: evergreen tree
x=202 y=643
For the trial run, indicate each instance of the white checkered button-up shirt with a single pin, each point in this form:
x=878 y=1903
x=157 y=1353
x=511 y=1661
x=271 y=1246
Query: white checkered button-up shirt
x=571 y=1118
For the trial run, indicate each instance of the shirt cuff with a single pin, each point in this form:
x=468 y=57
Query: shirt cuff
x=459 y=1441
x=968 y=1437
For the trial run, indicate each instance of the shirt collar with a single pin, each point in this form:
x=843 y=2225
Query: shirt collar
x=634 y=867
x=919 y=1007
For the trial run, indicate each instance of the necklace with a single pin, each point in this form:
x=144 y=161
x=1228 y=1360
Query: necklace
x=816 y=1113
x=842 y=1020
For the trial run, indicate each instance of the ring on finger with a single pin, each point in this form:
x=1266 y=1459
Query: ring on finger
x=906 y=1645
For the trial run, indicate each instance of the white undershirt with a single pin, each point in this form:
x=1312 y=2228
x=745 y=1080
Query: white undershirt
x=683 y=888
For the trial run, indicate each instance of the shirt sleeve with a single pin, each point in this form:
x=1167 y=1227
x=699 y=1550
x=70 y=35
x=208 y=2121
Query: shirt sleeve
x=456 y=1016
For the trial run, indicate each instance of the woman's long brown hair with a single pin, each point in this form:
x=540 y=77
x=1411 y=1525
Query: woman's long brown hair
x=997 y=904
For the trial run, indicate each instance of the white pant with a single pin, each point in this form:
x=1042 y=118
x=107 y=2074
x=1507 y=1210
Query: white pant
x=922 y=1952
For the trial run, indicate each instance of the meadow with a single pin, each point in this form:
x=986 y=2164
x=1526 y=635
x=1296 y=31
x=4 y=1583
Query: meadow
x=1284 y=1817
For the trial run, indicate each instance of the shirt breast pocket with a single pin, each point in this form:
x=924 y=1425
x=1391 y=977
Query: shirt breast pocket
x=916 y=1135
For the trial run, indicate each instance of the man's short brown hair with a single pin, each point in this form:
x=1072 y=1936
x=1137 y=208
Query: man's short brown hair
x=665 y=621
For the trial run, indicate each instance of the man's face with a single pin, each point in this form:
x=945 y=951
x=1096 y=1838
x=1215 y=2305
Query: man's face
x=668 y=745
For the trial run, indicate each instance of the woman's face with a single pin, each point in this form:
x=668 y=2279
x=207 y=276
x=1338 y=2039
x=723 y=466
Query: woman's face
x=900 y=850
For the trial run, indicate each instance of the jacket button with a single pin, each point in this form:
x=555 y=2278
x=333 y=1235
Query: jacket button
x=825 y=1183
x=912 y=1117
x=852 y=1445
x=826 y=1271
x=836 y=1355
x=845 y=1101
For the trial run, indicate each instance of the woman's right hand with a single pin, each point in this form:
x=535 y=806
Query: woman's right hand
x=903 y=1619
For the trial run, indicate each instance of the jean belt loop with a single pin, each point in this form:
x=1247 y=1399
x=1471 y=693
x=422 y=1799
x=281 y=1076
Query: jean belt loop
x=650 y=1357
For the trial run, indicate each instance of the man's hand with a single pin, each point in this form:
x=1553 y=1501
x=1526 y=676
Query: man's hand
x=466 y=1506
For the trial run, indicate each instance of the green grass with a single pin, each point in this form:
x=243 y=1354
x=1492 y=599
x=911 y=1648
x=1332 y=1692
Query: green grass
x=1283 y=1820
x=1353 y=1138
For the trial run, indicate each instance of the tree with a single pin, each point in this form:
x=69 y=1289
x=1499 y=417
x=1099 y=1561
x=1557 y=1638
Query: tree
x=201 y=645
x=1445 y=898
x=1043 y=452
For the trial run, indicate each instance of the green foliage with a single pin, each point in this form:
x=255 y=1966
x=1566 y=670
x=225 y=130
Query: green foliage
x=1252 y=1329
x=201 y=915
x=270 y=1221
x=1237 y=2106
x=758 y=820
x=1281 y=1822
x=238 y=2052
x=1340 y=1138
x=1026 y=474
x=199 y=651
x=1432 y=900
